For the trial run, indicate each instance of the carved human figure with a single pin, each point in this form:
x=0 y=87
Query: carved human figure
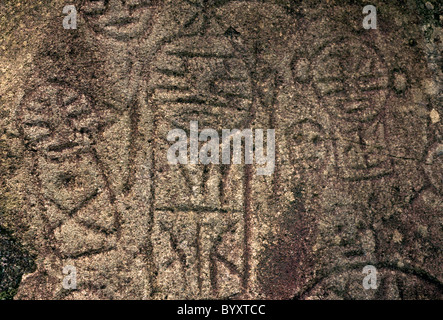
x=198 y=217
x=341 y=150
x=123 y=33
x=349 y=151
x=351 y=82
x=58 y=125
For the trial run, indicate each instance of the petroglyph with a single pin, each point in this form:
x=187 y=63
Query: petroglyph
x=358 y=152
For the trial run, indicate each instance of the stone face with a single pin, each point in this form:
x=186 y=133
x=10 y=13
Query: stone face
x=358 y=174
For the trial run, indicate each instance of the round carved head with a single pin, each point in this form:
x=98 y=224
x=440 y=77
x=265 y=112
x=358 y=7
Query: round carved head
x=120 y=19
x=57 y=122
x=349 y=79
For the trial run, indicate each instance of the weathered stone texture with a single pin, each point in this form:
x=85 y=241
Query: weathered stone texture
x=358 y=178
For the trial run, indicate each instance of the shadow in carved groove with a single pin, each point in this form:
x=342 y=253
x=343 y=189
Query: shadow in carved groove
x=201 y=220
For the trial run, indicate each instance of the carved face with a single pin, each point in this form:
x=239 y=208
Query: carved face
x=120 y=19
x=195 y=81
x=57 y=122
x=350 y=80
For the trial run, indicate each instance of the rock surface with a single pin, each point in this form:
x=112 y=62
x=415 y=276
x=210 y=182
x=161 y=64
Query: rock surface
x=358 y=176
